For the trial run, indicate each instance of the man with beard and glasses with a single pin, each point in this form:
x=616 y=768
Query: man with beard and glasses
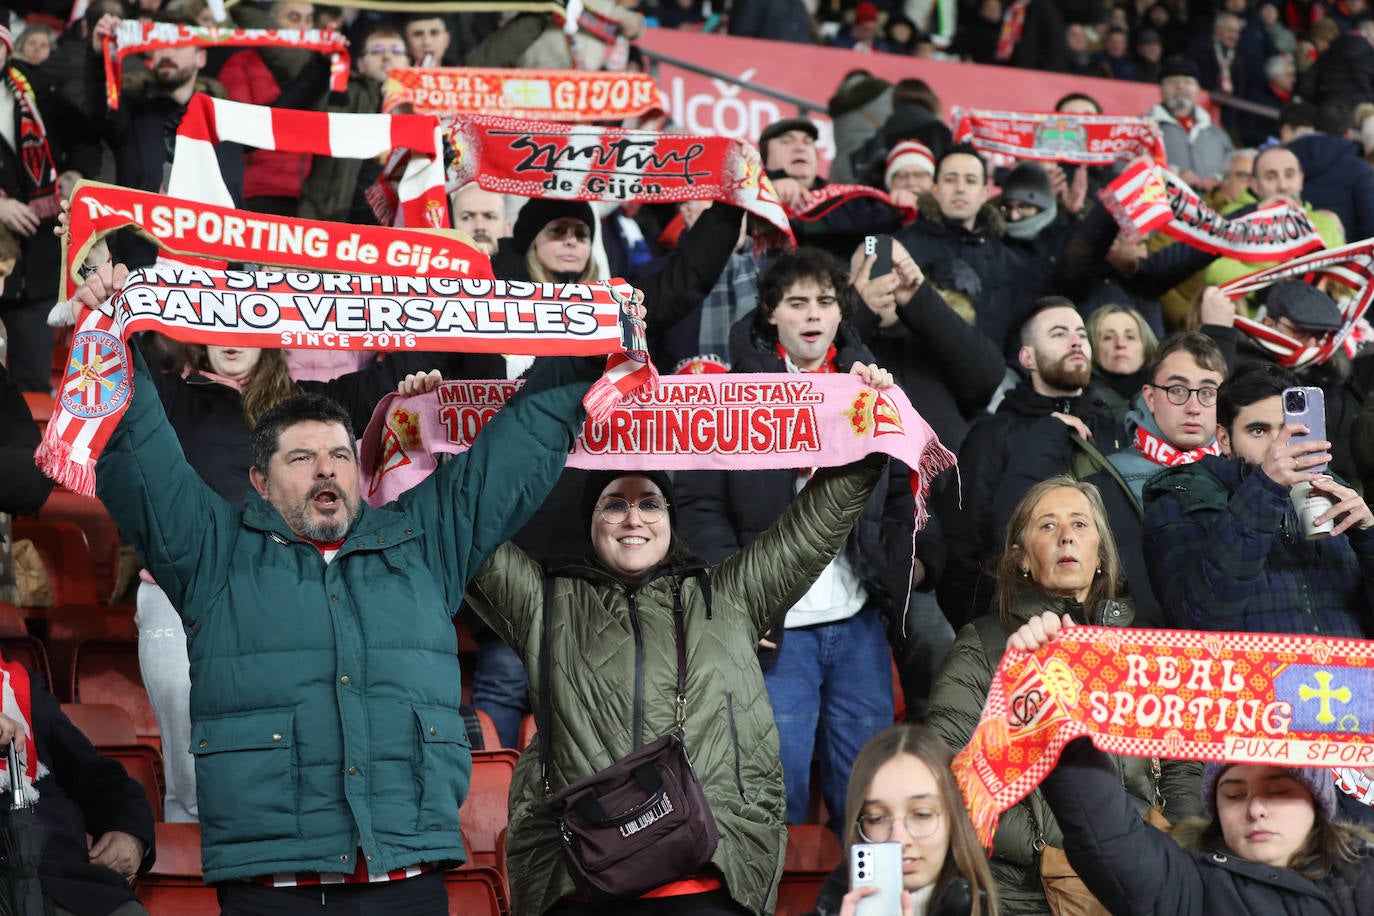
x=141 y=130
x=1039 y=416
x=331 y=756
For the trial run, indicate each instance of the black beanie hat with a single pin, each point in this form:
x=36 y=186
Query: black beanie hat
x=1028 y=183
x=540 y=211
x=600 y=480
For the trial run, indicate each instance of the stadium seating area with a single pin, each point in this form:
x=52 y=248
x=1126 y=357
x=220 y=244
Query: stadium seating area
x=87 y=651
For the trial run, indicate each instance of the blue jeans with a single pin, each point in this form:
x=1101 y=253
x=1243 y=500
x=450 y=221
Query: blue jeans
x=499 y=689
x=837 y=676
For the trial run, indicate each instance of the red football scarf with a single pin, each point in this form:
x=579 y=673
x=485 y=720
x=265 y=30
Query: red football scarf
x=16 y=702
x=1147 y=197
x=600 y=26
x=1013 y=24
x=542 y=95
x=208 y=121
x=1239 y=697
x=1054 y=137
x=134 y=36
x=723 y=422
x=40 y=173
x=819 y=203
x=1350 y=265
x=581 y=162
x=332 y=311
x=188 y=230
x=1167 y=454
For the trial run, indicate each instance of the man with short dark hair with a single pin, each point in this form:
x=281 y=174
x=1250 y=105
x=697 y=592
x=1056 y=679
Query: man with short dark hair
x=957 y=223
x=427 y=38
x=331 y=756
x=1224 y=547
x=829 y=678
x=1039 y=416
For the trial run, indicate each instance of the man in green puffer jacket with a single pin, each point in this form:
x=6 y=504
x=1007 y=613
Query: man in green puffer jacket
x=325 y=680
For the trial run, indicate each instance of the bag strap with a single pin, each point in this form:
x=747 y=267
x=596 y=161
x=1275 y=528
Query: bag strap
x=1094 y=458
x=544 y=715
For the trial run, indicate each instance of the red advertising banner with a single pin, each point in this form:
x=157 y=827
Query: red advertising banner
x=699 y=104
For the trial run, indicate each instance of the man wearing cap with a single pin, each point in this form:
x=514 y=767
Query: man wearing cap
x=1036 y=228
x=788 y=150
x=910 y=172
x=1225 y=549
x=1196 y=148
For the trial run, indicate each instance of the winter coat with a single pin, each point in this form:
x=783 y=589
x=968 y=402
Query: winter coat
x=1006 y=300
x=1225 y=552
x=1336 y=178
x=1206 y=149
x=857 y=112
x=606 y=636
x=908 y=121
x=1135 y=870
x=1343 y=73
x=26 y=488
x=722 y=512
x=956 y=702
x=975 y=528
x=325 y=696
x=36 y=274
x=83 y=793
x=947 y=367
x=247 y=78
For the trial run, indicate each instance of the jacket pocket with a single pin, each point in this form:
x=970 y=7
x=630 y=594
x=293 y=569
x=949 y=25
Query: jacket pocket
x=734 y=743
x=247 y=774
x=443 y=766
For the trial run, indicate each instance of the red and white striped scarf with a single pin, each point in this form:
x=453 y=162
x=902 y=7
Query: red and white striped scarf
x=332 y=311
x=134 y=36
x=818 y=204
x=1013 y=24
x=195 y=170
x=16 y=702
x=1351 y=266
x=1146 y=197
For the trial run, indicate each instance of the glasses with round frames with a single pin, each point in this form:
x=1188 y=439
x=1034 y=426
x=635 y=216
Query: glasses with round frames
x=616 y=511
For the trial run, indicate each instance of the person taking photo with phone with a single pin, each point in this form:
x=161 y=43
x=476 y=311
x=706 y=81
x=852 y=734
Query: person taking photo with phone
x=902 y=791
x=1225 y=549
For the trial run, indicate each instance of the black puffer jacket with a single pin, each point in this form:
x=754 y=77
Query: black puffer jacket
x=1135 y=870
x=1006 y=298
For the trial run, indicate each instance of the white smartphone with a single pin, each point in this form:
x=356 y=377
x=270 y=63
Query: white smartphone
x=877 y=865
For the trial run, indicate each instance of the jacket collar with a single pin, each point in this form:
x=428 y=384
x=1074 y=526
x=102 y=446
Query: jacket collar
x=1201 y=119
x=375 y=528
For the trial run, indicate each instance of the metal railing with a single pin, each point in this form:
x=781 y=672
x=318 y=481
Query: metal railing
x=804 y=106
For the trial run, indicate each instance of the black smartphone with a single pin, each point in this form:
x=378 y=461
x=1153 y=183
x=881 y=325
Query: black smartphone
x=880 y=247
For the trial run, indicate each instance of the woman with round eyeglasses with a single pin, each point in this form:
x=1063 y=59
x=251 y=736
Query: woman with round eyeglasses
x=901 y=790
x=612 y=615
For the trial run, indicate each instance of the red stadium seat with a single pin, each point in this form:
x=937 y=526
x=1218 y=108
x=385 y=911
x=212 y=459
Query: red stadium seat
x=89 y=514
x=69 y=625
x=485 y=813
x=474 y=890
x=527 y=731
x=16 y=645
x=40 y=405
x=491 y=741
x=106 y=671
x=111 y=730
x=66 y=555
x=812 y=854
x=174 y=886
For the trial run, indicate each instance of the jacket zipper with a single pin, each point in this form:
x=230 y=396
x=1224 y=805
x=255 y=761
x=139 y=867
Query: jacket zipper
x=639 y=670
x=734 y=740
